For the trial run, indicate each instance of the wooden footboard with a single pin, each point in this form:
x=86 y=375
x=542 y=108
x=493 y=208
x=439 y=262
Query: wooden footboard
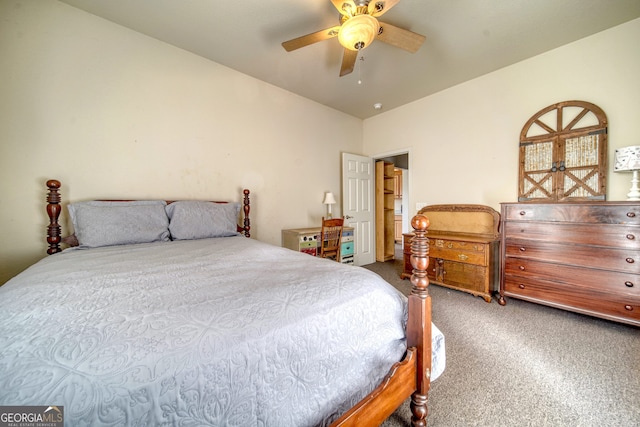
x=412 y=375
x=54 y=236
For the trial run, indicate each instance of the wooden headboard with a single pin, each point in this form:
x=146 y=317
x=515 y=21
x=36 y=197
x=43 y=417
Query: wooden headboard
x=55 y=239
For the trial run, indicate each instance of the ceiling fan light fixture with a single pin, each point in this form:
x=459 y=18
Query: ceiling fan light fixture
x=358 y=32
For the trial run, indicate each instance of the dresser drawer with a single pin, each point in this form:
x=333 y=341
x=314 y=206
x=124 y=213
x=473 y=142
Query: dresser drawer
x=457 y=274
x=619 y=236
x=579 y=299
x=308 y=244
x=347 y=248
x=624 y=260
x=452 y=250
x=578 y=277
x=609 y=213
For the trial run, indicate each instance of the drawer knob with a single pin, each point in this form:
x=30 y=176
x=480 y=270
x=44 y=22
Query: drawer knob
x=521 y=268
x=631 y=237
x=628 y=308
x=628 y=284
x=523 y=213
x=630 y=260
x=463 y=257
x=521 y=286
x=522 y=249
x=631 y=214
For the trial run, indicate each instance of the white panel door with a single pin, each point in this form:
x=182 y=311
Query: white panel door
x=358 y=205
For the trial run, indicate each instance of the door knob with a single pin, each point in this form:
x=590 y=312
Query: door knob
x=348 y=217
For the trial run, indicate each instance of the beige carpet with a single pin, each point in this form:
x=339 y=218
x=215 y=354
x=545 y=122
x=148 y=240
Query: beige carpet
x=526 y=365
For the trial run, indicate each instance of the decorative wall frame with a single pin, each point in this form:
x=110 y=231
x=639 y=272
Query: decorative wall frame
x=563 y=154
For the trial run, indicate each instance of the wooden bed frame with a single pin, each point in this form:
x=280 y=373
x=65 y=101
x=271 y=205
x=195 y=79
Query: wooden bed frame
x=55 y=239
x=409 y=377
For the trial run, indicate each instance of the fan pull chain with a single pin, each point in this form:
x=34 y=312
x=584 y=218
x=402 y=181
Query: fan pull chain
x=361 y=59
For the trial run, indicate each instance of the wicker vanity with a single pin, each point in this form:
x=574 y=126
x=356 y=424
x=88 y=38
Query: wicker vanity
x=463 y=248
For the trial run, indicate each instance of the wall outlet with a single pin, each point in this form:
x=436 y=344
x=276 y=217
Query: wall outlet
x=420 y=206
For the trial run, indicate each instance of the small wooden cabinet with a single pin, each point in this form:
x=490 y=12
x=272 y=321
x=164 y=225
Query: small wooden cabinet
x=397 y=183
x=577 y=256
x=398 y=229
x=463 y=248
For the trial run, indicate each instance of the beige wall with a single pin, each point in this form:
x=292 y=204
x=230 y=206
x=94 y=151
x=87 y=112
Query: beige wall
x=463 y=141
x=113 y=113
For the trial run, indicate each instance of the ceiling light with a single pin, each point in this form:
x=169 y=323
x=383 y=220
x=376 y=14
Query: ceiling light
x=377 y=106
x=358 y=32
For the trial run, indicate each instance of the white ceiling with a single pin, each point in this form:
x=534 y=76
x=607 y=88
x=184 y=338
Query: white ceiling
x=464 y=39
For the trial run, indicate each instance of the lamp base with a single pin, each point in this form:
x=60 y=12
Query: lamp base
x=634 y=194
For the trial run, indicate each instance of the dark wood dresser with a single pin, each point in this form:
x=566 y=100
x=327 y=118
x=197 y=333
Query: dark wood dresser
x=582 y=257
x=463 y=248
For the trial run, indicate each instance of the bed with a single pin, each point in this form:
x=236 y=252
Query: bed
x=168 y=313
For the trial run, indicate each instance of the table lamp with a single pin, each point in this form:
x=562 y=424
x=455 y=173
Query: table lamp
x=628 y=159
x=329 y=200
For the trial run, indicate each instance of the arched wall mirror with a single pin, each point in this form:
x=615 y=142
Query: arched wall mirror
x=563 y=154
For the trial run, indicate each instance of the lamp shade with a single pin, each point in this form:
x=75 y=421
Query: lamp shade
x=358 y=32
x=627 y=159
x=329 y=199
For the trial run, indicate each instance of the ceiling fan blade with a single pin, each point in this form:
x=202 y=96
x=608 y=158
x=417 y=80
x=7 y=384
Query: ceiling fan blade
x=379 y=7
x=348 y=61
x=399 y=37
x=312 y=38
x=345 y=7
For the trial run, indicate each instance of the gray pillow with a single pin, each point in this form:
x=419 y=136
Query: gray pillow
x=99 y=224
x=192 y=219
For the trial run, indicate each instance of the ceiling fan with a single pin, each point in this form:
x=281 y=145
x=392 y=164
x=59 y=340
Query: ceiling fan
x=358 y=28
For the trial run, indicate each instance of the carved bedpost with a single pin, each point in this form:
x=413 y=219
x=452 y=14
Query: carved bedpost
x=53 y=211
x=419 y=331
x=247 y=221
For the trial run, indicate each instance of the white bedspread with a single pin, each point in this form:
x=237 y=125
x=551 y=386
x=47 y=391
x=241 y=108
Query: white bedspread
x=225 y=332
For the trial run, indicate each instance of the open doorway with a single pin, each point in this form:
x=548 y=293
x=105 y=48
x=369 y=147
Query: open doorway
x=401 y=205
